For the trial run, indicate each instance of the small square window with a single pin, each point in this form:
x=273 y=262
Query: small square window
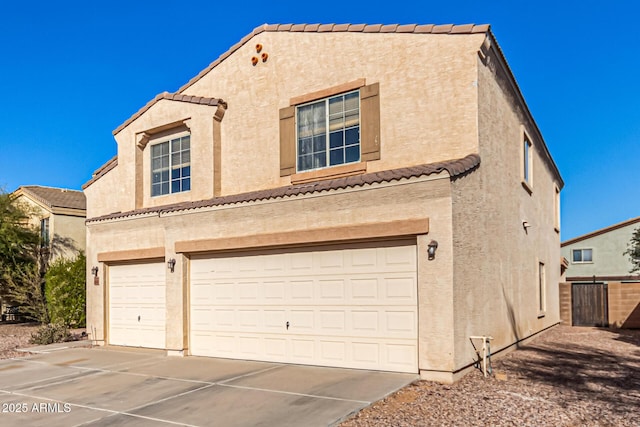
x=582 y=255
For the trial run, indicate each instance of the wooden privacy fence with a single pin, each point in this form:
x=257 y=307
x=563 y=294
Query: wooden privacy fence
x=614 y=304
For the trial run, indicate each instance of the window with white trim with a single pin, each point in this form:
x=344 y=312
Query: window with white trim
x=582 y=255
x=171 y=166
x=328 y=132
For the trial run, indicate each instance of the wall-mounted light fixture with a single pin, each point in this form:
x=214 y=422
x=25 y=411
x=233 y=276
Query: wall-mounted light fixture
x=171 y=264
x=258 y=48
x=264 y=57
x=254 y=60
x=431 y=249
x=94 y=271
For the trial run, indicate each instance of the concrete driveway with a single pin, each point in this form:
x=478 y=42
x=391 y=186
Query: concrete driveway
x=131 y=387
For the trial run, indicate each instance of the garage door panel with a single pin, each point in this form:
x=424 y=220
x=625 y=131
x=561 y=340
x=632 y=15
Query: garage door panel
x=137 y=308
x=354 y=307
x=301 y=290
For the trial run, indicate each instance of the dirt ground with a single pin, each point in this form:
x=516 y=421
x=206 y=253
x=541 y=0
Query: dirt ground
x=564 y=377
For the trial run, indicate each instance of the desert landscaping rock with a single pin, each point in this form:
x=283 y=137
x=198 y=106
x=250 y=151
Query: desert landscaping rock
x=565 y=377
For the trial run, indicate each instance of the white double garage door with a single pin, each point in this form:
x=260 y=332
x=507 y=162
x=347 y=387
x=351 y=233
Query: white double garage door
x=351 y=306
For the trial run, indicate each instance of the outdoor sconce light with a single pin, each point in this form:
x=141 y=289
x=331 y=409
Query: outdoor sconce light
x=431 y=251
x=94 y=271
x=171 y=264
x=264 y=57
x=258 y=48
x=254 y=60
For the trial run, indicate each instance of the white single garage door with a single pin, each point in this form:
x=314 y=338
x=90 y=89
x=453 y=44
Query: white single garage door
x=137 y=309
x=354 y=307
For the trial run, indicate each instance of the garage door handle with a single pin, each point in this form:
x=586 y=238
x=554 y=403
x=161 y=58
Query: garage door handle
x=138 y=318
x=287 y=325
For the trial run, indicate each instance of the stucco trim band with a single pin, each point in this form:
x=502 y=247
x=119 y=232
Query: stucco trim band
x=400 y=228
x=324 y=93
x=131 y=255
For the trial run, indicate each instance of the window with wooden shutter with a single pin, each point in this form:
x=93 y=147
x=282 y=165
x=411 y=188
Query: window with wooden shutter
x=316 y=134
x=287 y=141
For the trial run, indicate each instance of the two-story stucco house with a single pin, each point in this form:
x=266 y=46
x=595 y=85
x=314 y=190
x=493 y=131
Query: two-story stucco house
x=361 y=196
x=600 y=255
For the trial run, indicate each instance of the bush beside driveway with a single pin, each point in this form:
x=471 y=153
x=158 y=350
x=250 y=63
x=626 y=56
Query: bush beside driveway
x=567 y=376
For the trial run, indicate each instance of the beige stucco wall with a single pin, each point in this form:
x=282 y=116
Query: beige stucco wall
x=199 y=119
x=422 y=198
x=428 y=99
x=495 y=259
x=104 y=195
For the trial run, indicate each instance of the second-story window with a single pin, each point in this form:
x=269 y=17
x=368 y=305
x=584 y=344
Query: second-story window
x=171 y=166
x=526 y=160
x=328 y=132
x=582 y=255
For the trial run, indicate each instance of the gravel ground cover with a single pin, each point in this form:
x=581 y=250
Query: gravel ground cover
x=564 y=377
x=17 y=335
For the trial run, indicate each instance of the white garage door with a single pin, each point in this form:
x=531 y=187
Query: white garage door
x=353 y=307
x=137 y=305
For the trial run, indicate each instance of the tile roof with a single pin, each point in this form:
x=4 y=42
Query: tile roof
x=455 y=168
x=601 y=231
x=56 y=197
x=342 y=28
x=201 y=100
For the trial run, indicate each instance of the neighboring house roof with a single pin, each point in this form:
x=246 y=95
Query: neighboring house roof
x=601 y=231
x=201 y=100
x=101 y=171
x=53 y=198
x=455 y=168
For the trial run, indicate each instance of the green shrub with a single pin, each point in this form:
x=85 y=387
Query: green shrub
x=51 y=333
x=65 y=291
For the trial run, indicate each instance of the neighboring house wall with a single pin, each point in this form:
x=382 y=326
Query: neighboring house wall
x=67 y=234
x=607 y=249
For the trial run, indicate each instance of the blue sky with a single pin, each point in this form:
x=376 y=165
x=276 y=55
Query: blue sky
x=72 y=71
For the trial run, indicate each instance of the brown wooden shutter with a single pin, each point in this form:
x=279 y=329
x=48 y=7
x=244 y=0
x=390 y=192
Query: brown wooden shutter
x=370 y=122
x=287 y=141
